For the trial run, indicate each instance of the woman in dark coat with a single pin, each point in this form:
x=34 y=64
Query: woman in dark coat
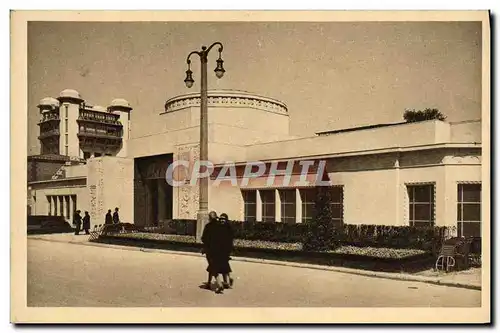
x=227 y=248
x=212 y=239
x=86 y=223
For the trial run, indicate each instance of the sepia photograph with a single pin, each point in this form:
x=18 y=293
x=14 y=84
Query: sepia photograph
x=288 y=167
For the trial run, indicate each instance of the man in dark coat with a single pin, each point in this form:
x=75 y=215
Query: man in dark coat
x=109 y=218
x=86 y=223
x=226 y=249
x=116 y=217
x=211 y=247
x=77 y=221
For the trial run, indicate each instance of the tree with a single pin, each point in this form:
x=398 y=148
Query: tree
x=321 y=231
x=412 y=116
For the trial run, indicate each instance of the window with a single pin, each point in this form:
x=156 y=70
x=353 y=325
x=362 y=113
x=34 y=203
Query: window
x=337 y=204
x=66 y=150
x=308 y=198
x=421 y=208
x=469 y=210
x=250 y=205
x=288 y=202
x=337 y=197
x=66 y=126
x=66 y=112
x=268 y=205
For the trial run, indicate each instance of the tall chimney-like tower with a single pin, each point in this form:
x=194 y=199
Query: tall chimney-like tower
x=69 y=111
x=122 y=107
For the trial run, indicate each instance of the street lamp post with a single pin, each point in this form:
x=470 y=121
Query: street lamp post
x=202 y=217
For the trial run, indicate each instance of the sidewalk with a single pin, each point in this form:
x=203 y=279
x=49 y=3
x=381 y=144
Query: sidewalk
x=470 y=279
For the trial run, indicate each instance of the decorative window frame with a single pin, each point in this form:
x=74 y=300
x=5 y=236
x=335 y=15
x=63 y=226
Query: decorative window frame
x=243 y=207
x=466 y=182
x=406 y=208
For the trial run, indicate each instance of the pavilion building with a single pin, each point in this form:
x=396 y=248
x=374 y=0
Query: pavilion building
x=423 y=173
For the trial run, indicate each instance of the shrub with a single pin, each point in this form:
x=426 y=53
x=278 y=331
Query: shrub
x=402 y=237
x=179 y=227
x=316 y=235
x=412 y=116
x=321 y=234
x=273 y=232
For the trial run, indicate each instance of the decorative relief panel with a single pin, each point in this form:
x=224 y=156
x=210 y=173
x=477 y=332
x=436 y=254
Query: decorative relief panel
x=100 y=188
x=463 y=156
x=188 y=195
x=463 y=160
x=227 y=99
x=93 y=201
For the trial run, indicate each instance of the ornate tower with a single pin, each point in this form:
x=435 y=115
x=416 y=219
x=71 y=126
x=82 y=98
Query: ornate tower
x=122 y=108
x=49 y=126
x=69 y=143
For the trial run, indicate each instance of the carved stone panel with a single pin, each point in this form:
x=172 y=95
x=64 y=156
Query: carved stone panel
x=188 y=194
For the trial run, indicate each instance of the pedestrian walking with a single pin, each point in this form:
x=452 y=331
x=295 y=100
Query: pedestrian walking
x=77 y=221
x=116 y=216
x=109 y=218
x=86 y=223
x=211 y=240
x=227 y=248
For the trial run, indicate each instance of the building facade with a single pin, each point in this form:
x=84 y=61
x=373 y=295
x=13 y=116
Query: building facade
x=425 y=173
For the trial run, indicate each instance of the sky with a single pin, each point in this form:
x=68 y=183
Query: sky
x=331 y=75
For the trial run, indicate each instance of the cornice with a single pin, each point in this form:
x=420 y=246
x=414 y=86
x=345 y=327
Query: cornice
x=227 y=98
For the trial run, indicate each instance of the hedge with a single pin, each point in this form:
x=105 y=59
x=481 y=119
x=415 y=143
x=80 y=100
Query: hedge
x=401 y=237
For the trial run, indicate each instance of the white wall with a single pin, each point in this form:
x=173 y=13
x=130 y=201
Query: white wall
x=468 y=131
x=163 y=143
x=110 y=184
x=423 y=133
x=125 y=120
x=76 y=170
x=226 y=199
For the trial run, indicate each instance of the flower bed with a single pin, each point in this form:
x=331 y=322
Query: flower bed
x=159 y=237
x=378 y=252
x=373 y=252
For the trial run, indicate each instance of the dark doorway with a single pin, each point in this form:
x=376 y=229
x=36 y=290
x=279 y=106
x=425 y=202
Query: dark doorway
x=153 y=200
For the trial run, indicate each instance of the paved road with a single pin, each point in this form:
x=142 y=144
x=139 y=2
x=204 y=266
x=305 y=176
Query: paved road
x=73 y=275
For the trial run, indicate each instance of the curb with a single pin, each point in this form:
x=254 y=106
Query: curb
x=382 y=275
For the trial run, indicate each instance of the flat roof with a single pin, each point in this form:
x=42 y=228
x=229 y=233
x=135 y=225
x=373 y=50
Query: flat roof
x=360 y=128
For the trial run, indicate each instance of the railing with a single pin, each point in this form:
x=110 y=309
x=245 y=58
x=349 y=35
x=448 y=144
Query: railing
x=49 y=117
x=101 y=117
x=45 y=134
x=59 y=173
x=96 y=133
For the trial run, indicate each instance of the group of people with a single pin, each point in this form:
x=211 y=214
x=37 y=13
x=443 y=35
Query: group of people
x=112 y=219
x=77 y=221
x=83 y=224
x=217 y=242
